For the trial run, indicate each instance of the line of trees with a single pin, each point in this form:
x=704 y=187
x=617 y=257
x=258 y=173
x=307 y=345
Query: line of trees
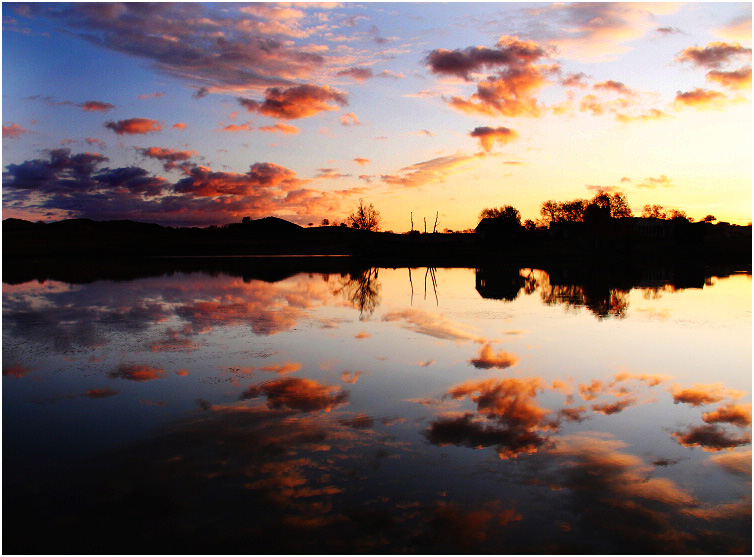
x=602 y=206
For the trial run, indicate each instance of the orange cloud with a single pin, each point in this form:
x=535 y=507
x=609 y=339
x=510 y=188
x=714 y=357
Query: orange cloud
x=591 y=391
x=488 y=359
x=179 y=126
x=650 y=379
x=700 y=99
x=714 y=55
x=349 y=119
x=573 y=414
x=613 y=408
x=280 y=369
x=97 y=106
x=362 y=335
x=710 y=438
x=614 y=87
x=170 y=157
x=203 y=182
x=235 y=128
x=304 y=395
x=510 y=94
x=737 y=79
x=134 y=126
x=362 y=161
x=738 y=463
x=511 y=401
x=14 y=131
x=489 y=136
x=616 y=493
x=140 y=373
x=651 y=114
x=300 y=101
x=651 y=183
x=280 y=128
x=700 y=394
x=736 y=414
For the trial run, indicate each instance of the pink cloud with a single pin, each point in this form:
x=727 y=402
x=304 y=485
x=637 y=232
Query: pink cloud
x=134 y=126
x=97 y=106
x=14 y=131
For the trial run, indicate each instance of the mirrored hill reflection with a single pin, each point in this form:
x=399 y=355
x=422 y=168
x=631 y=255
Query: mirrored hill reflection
x=337 y=412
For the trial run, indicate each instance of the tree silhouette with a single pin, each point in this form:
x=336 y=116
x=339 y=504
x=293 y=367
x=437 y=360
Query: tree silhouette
x=508 y=213
x=365 y=217
x=654 y=212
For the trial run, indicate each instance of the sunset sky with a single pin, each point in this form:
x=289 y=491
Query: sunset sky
x=199 y=114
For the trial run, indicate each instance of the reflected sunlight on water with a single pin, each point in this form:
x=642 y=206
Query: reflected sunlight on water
x=390 y=410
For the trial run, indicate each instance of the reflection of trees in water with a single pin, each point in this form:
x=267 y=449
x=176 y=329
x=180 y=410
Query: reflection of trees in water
x=505 y=284
x=362 y=290
x=600 y=299
x=430 y=272
x=600 y=295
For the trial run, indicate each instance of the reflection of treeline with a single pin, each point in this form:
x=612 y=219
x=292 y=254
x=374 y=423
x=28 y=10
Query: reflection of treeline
x=602 y=290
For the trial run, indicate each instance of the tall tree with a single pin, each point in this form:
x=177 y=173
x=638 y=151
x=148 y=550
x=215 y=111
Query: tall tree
x=365 y=217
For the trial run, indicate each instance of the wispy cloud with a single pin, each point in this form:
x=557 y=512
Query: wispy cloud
x=431 y=171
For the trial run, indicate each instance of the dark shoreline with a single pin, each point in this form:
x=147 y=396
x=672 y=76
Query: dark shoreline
x=271 y=249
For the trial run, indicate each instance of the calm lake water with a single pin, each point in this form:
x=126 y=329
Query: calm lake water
x=386 y=410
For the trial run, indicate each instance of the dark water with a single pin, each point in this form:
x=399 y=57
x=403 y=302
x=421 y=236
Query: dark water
x=378 y=411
